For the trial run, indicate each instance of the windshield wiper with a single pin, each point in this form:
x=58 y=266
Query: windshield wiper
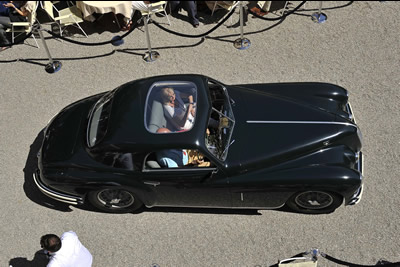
x=222 y=114
x=223 y=152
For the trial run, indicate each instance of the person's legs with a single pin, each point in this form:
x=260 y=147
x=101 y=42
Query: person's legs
x=5 y=21
x=3 y=36
x=191 y=8
x=173 y=5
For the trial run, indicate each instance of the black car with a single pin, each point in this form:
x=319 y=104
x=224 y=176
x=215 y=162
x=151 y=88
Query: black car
x=264 y=146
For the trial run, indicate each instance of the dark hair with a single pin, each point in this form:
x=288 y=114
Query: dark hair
x=50 y=242
x=20 y=4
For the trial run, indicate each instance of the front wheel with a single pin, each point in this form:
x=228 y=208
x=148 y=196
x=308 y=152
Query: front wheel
x=115 y=200
x=315 y=202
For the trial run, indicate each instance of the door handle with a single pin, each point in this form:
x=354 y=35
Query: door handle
x=153 y=183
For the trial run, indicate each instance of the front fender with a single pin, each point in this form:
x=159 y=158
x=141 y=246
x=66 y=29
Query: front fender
x=338 y=179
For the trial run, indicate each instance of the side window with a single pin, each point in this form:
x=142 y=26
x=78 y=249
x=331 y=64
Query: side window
x=127 y=161
x=177 y=158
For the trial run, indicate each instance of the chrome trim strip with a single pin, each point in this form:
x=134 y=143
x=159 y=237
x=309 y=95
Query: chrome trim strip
x=303 y=122
x=153 y=183
x=180 y=169
x=360 y=164
x=217 y=207
x=56 y=195
x=350 y=111
x=357 y=197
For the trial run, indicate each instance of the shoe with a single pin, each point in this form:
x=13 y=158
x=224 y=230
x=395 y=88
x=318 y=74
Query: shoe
x=127 y=27
x=258 y=11
x=196 y=25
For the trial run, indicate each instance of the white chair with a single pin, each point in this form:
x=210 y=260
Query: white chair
x=157 y=7
x=24 y=27
x=228 y=5
x=67 y=16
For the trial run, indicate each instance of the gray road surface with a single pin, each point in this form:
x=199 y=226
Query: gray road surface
x=357 y=48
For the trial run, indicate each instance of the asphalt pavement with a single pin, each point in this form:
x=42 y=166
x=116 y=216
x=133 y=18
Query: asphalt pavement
x=358 y=48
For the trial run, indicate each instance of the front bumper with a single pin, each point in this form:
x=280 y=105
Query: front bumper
x=69 y=199
x=358 y=194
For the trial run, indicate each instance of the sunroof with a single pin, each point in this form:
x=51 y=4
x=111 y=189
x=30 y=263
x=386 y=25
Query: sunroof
x=170 y=107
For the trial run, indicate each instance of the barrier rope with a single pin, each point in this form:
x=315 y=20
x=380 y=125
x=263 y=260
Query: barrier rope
x=199 y=35
x=93 y=44
x=281 y=17
x=337 y=261
x=134 y=26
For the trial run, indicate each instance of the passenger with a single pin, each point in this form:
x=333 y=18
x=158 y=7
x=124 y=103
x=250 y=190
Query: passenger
x=179 y=114
x=174 y=158
x=18 y=11
x=170 y=158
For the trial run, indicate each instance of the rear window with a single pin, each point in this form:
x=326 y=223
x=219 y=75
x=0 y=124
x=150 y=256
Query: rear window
x=170 y=107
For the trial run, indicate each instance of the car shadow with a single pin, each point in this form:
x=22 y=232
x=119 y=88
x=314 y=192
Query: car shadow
x=228 y=211
x=39 y=260
x=202 y=210
x=30 y=188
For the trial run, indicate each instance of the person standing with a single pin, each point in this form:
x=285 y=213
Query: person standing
x=66 y=251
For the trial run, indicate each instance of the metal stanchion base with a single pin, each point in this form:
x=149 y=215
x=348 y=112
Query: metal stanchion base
x=116 y=41
x=319 y=17
x=53 y=67
x=242 y=44
x=151 y=56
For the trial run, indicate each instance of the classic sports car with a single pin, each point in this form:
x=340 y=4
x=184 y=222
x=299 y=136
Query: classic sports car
x=264 y=146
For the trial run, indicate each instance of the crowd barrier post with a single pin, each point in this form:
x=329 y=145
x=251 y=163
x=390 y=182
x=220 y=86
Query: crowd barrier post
x=319 y=17
x=150 y=55
x=241 y=43
x=52 y=66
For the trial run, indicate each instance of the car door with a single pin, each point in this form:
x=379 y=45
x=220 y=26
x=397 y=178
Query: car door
x=258 y=191
x=188 y=187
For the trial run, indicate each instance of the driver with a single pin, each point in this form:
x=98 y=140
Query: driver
x=179 y=114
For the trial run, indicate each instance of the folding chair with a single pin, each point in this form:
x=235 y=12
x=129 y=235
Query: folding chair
x=228 y=5
x=24 y=27
x=157 y=7
x=67 y=16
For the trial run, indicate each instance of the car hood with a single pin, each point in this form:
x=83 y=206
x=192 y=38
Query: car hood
x=66 y=132
x=273 y=129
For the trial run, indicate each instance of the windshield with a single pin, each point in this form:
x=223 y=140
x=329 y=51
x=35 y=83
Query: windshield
x=218 y=138
x=98 y=119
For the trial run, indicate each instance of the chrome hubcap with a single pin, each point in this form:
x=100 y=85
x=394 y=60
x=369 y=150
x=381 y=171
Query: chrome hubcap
x=314 y=200
x=115 y=198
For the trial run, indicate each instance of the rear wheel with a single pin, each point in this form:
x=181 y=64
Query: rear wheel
x=115 y=200
x=315 y=202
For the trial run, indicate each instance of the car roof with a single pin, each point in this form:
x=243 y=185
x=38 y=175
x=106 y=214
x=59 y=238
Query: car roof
x=126 y=129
